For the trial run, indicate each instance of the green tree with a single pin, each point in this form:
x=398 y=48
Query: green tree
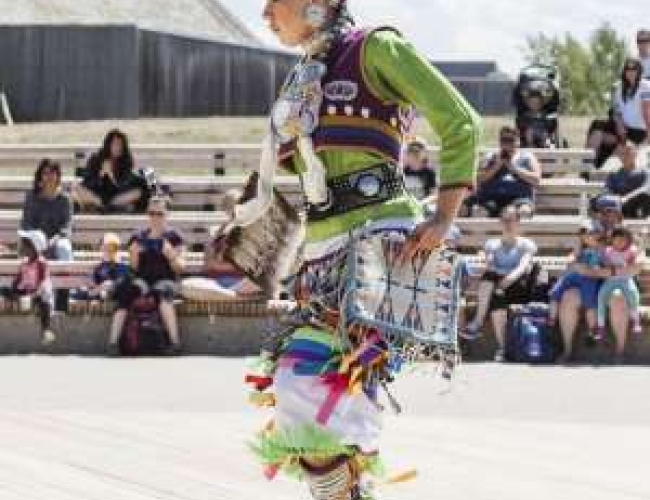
x=588 y=71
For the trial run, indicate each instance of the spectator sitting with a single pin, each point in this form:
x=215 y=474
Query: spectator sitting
x=620 y=255
x=602 y=139
x=109 y=183
x=48 y=209
x=420 y=178
x=507 y=178
x=632 y=103
x=588 y=252
x=32 y=284
x=608 y=211
x=108 y=274
x=631 y=183
x=643 y=45
x=509 y=278
x=223 y=280
x=157 y=259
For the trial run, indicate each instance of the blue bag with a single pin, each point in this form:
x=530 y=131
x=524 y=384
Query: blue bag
x=529 y=338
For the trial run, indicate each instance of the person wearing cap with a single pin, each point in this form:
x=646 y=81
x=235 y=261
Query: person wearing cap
x=32 y=285
x=589 y=252
x=643 y=46
x=509 y=279
x=509 y=176
x=631 y=183
x=608 y=211
x=340 y=123
x=48 y=209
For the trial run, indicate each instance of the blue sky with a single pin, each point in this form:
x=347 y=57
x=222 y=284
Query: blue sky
x=477 y=29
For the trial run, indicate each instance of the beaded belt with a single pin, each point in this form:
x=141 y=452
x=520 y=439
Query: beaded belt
x=348 y=192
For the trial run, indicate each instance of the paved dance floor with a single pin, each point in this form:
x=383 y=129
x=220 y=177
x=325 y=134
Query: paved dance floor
x=176 y=429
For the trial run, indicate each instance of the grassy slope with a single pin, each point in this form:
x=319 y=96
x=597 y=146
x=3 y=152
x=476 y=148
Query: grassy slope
x=209 y=130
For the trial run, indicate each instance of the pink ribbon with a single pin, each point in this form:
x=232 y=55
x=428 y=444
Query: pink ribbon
x=271 y=471
x=338 y=384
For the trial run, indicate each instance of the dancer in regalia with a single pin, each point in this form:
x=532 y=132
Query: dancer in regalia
x=339 y=123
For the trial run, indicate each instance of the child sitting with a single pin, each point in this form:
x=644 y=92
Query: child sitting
x=108 y=274
x=620 y=255
x=588 y=252
x=110 y=271
x=32 y=284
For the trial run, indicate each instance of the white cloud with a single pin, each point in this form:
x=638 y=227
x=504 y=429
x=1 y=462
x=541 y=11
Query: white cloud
x=476 y=29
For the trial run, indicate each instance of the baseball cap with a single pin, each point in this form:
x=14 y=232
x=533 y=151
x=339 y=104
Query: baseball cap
x=609 y=202
x=37 y=238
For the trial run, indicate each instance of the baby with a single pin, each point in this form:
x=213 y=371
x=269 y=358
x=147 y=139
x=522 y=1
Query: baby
x=110 y=272
x=107 y=275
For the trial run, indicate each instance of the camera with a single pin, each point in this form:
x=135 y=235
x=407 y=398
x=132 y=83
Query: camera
x=150 y=177
x=153 y=245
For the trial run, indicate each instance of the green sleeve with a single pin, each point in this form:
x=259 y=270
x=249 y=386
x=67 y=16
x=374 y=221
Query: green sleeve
x=396 y=72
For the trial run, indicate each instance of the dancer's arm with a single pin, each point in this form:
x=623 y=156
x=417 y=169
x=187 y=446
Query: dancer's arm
x=398 y=73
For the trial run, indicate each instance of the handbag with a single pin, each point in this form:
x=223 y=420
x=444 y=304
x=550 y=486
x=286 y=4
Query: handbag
x=415 y=303
x=266 y=250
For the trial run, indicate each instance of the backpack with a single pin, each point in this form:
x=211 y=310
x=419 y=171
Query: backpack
x=529 y=338
x=144 y=333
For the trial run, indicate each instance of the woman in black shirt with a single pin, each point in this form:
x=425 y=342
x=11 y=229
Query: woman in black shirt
x=109 y=183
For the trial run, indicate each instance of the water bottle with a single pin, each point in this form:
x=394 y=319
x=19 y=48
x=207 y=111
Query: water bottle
x=533 y=342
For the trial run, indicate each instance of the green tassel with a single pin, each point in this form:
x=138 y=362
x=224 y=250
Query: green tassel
x=277 y=446
x=286 y=447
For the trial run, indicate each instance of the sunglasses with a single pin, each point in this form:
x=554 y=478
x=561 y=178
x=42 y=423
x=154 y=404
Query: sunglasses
x=643 y=40
x=156 y=214
x=632 y=68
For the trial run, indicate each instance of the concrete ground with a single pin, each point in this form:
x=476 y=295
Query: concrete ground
x=175 y=429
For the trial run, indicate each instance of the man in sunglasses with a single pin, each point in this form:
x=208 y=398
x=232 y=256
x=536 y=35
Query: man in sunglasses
x=643 y=45
x=510 y=176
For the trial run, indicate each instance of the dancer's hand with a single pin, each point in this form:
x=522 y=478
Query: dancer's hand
x=431 y=234
x=427 y=237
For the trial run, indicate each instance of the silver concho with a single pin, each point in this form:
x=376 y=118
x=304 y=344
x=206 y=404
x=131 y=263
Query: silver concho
x=369 y=185
x=296 y=111
x=341 y=90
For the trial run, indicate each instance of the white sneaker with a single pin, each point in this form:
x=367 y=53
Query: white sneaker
x=499 y=356
x=48 y=337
